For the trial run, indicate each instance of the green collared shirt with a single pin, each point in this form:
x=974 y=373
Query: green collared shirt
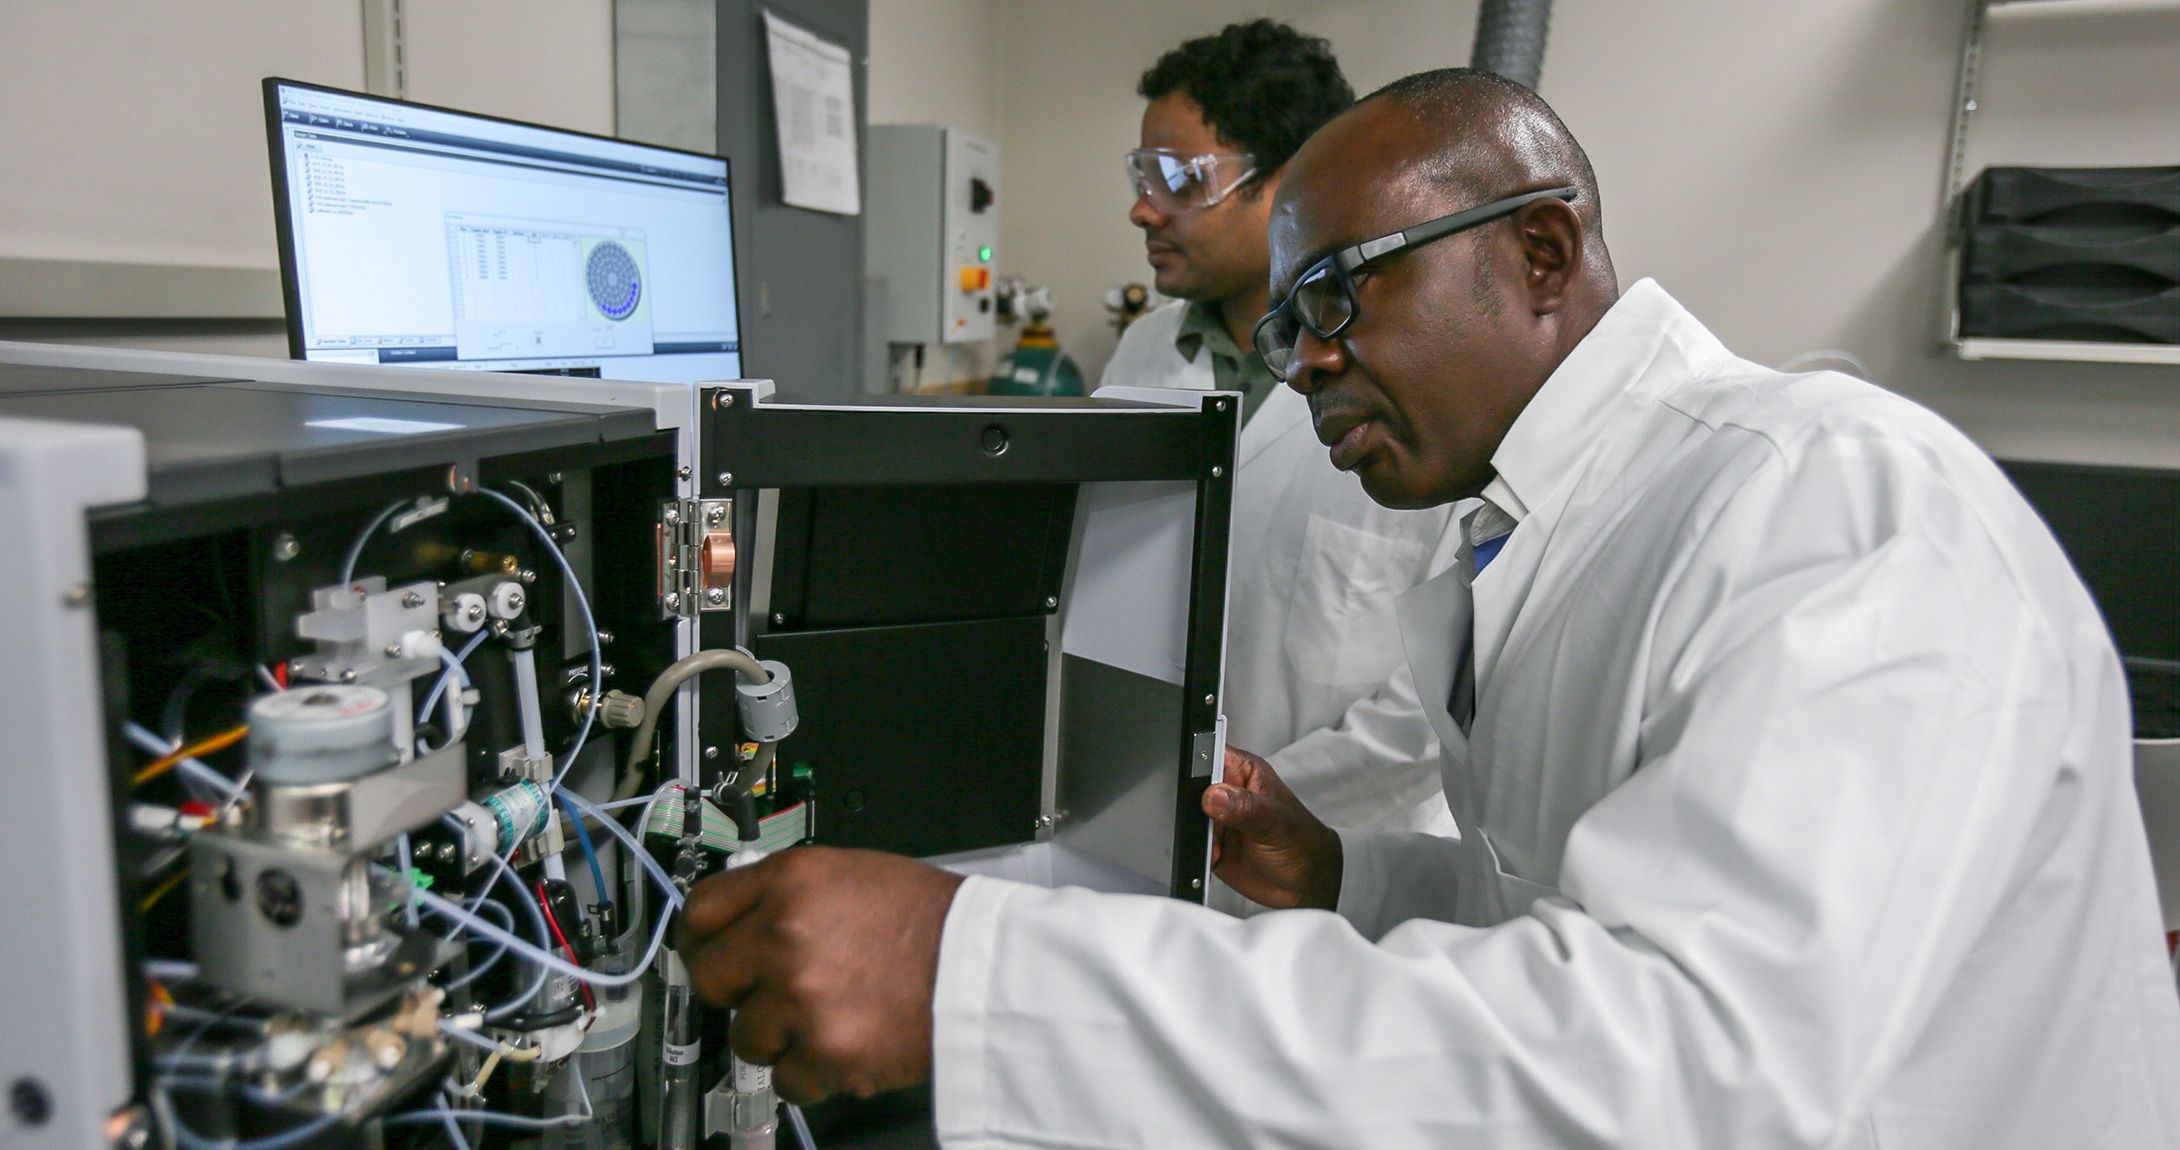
x=1232 y=369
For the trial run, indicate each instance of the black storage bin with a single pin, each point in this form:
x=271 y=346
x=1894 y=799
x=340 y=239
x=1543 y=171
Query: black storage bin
x=2078 y=254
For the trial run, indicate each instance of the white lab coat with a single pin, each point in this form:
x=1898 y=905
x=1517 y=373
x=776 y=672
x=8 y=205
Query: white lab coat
x=1797 y=813
x=1312 y=637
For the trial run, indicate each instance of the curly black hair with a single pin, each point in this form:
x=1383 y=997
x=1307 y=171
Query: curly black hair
x=1263 y=86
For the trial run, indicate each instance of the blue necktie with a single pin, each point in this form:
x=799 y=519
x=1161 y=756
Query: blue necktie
x=1488 y=550
x=1462 y=703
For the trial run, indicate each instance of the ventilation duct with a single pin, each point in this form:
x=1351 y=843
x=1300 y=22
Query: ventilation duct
x=1510 y=39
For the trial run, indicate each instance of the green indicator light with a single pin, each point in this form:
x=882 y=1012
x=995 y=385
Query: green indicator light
x=984 y=254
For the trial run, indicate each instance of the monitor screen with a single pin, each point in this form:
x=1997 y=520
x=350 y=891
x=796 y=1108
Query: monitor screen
x=424 y=237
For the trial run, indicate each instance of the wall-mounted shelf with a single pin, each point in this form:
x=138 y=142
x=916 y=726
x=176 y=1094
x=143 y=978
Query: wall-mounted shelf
x=1964 y=109
x=1975 y=347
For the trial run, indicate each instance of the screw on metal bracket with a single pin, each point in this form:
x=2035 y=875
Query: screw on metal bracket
x=715 y=596
x=527 y=575
x=412 y=600
x=778 y=618
x=726 y=479
x=714 y=516
x=1217 y=471
x=726 y=399
x=711 y=753
x=1051 y=601
x=673 y=600
x=28 y=1101
x=393 y=650
x=556 y=478
x=683 y=472
x=285 y=548
x=1210 y=699
x=1195 y=884
x=605 y=638
x=1218 y=405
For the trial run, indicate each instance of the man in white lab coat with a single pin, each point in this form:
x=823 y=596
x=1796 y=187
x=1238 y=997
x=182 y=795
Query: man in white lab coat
x=1314 y=563
x=1790 y=760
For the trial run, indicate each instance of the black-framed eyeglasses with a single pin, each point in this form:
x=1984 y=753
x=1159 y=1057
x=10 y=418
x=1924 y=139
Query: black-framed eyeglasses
x=1323 y=299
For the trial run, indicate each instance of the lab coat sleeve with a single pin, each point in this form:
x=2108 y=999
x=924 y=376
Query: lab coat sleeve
x=1377 y=763
x=1390 y=877
x=1852 y=728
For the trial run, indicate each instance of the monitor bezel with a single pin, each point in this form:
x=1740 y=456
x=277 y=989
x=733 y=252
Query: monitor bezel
x=291 y=292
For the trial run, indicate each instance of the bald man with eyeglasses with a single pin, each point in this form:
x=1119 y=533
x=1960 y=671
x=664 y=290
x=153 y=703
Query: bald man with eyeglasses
x=1790 y=759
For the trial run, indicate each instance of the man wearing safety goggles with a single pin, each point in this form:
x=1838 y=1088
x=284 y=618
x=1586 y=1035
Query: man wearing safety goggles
x=1316 y=565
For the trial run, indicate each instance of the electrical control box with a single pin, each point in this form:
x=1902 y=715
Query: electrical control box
x=323 y=679
x=932 y=232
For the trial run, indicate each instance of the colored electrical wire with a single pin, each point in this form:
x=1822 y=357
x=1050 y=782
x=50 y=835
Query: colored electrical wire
x=506 y=873
x=590 y=852
x=161 y=891
x=188 y=768
x=662 y=689
x=201 y=747
x=562 y=937
x=634 y=844
x=447 y=908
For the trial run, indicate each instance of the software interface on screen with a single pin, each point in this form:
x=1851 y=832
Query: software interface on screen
x=433 y=239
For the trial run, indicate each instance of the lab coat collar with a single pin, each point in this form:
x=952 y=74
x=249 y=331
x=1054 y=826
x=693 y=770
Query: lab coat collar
x=1565 y=418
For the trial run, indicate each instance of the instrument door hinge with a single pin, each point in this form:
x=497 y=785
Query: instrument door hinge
x=696 y=557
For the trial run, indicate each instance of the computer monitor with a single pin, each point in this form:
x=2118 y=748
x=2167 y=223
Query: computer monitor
x=426 y=237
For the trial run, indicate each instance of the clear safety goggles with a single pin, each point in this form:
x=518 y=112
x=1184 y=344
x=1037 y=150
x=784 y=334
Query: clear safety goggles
x=1178 y=182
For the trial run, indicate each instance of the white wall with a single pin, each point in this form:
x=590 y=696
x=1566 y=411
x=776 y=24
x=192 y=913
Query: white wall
x=132 y=133
x=938 y=62
x=1071 y=109
x=1775 y=166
